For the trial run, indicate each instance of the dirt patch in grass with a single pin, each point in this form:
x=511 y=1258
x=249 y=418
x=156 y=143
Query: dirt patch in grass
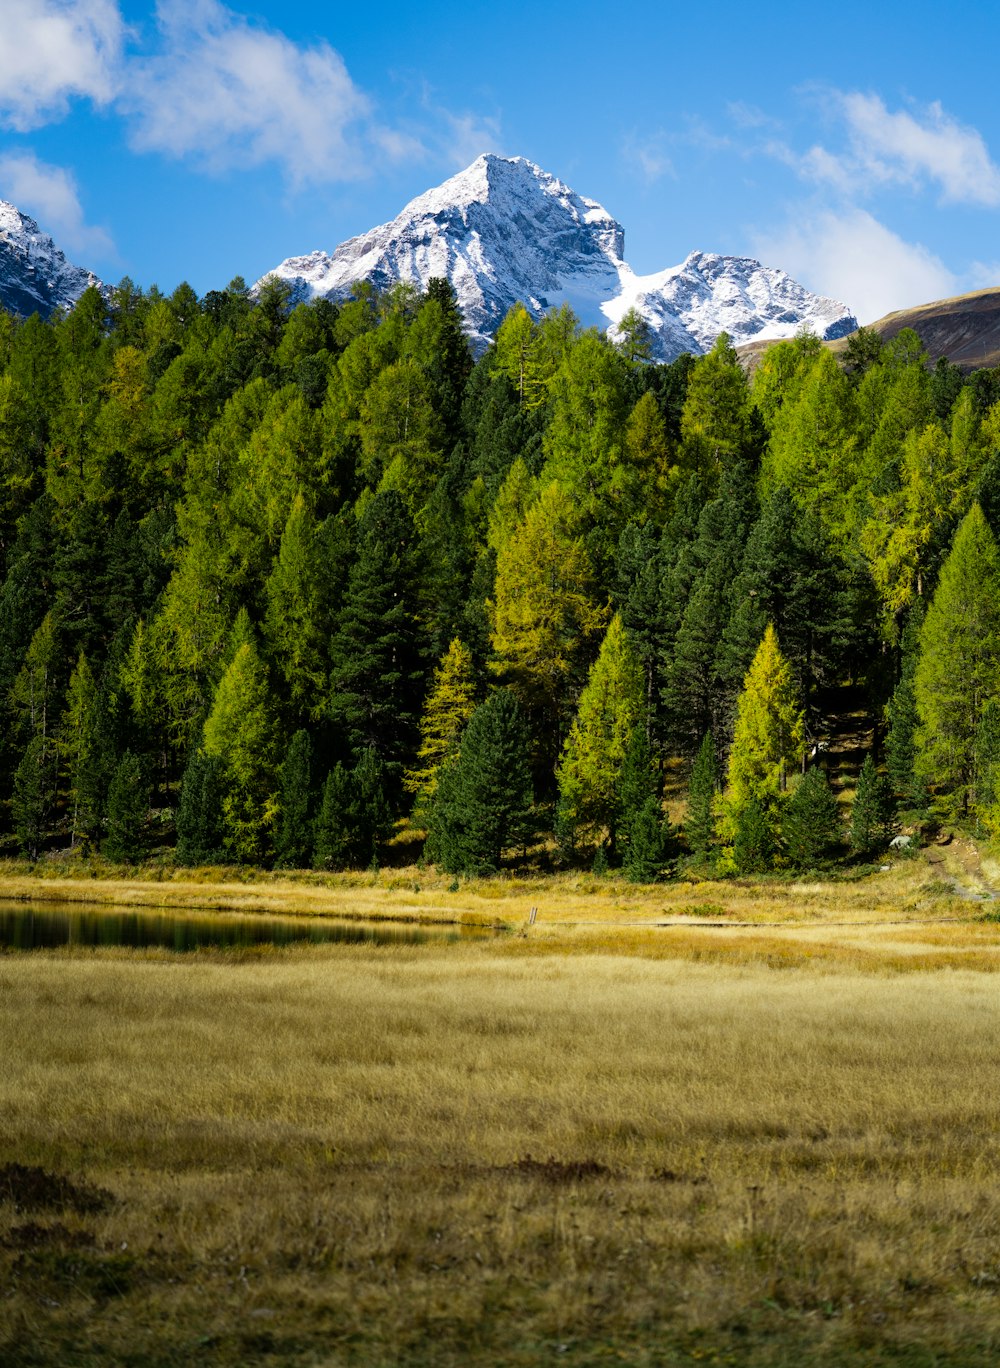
x=33 y=1189
x=558 y=1171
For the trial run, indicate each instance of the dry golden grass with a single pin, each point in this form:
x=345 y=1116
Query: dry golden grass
x=321 y=1156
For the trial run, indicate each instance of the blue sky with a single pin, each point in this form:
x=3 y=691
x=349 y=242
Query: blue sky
x=855 y=145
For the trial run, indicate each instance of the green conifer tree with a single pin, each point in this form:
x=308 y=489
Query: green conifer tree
x=754 y=838
x=200 y=826
x=591 y=770
x=240 y=729
x=810 y=822
x=333 y=836
x=376 y=653
x=128 y=809
x=33 y=796
x=769 y=734
x=699 y=826
x=294 y=836
x=959 y=666
x=450 y=703
x=483 y=801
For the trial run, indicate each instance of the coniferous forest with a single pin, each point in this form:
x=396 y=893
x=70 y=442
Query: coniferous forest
x=276 y=578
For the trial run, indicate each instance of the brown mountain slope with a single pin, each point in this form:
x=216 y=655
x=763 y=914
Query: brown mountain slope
x=965 y=329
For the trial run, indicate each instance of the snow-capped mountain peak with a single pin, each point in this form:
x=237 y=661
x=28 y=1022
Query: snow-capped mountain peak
x=35 y=275
x=504 y=231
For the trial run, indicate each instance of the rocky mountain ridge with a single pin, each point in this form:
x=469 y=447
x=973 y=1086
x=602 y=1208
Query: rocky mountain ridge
x=35 y=275
x=505 y=231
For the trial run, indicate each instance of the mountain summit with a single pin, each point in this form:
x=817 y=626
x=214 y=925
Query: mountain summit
x=505 y=231
x=35 y=276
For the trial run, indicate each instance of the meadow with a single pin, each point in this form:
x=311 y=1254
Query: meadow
x=719 y=1123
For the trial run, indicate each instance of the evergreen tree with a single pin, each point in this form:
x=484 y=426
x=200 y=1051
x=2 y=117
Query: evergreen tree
x=373 y=811
x=646 y=851
x=33 y=796
x=200 y=826
x=77 y=745
x=987 y=767
x=544 y=615
x=483 y=801
x=769 y=735
x=376 y=653
x=590 y=775
x=450 y=703
x=959 y=666
x=754 y=837
x=872 y=811
x=810 y=824
x=128 y=808
x=642 y=823
x=240 y=731
x=333 y=835
x=294 y=837
x=699 y=827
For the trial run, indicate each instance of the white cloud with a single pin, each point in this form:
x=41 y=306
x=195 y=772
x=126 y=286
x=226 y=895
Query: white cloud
x=467 y=136
x=229 y=93
x=852 y=257
x=904 y=148
x=49 y=194
x=52 y=50
x=649 y=157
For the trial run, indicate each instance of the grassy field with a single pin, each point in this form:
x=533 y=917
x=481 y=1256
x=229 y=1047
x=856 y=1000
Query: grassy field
x=749 y=1124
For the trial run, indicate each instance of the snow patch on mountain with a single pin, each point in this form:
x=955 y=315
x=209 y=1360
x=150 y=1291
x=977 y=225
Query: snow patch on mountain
x=504 y=231
x=35 y=275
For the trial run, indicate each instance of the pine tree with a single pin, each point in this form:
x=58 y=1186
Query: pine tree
x=646 y=851
x=294 y=836
x=754 y=838
x=333 y=835
x=373 y=812
x=200 y=826
x=810 y=823
x=240 y=730
x=590 y=772
x=376 y=652
x=544 y=615
x=450 y=703
x=959 y=666
x=483 y=802
x=987 y=767
x=699 y=827
x=33 y=796
x=128 y=808
x=769 y=734
x=293 y=622
x=873 y=809
x=77 y=743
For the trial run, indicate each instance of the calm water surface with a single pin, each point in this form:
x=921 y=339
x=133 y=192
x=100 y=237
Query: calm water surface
x=48 y=926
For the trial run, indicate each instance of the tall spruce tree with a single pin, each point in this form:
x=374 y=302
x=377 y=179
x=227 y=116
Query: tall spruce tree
x=376 y=653
x=769 y=735
x=959 y=666
x=293 y=839
x=201 y=830
x=240 y=730
x=482 y=805
x=592 y=768
x=128 y=809
x=810 y=822
x=872 y=811
x=450 y=703
x=699 y=825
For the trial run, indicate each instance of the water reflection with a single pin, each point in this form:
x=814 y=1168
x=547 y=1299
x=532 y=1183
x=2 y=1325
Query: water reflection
x=35 y=926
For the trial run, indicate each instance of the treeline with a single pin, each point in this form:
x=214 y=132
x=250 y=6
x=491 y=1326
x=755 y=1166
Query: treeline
x=276 y=577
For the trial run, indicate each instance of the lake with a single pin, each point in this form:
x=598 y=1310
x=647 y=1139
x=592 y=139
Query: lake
x=51 y=926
